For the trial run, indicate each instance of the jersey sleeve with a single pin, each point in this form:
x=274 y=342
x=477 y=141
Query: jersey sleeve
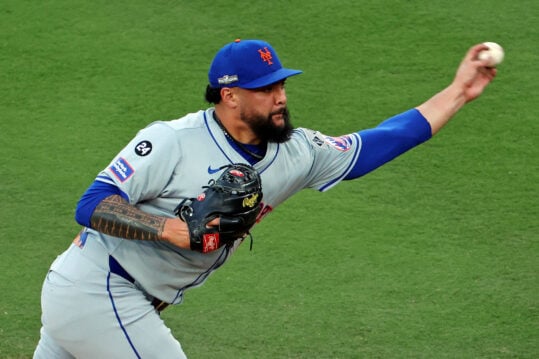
x=143 y=168
x=354 y=155
x=389 y=140
x=332 y=158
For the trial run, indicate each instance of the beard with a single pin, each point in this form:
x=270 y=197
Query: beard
x=266 y=130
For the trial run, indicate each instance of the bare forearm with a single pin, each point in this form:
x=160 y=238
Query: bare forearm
x=440 y=108
x=472 y=77
x=116 y=217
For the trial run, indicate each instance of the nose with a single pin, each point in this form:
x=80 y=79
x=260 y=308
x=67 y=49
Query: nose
x=280 y=95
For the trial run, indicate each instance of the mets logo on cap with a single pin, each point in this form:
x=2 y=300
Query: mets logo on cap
x=265 y=55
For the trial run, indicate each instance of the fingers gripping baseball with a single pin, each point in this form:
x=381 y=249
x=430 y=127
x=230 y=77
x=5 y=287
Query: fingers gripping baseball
x=225 y=211
x=474 y=73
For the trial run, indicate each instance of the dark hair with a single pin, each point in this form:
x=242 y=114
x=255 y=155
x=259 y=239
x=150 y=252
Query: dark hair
x=213 y=95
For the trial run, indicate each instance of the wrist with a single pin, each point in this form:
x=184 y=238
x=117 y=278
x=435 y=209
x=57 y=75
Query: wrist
x=176 y=232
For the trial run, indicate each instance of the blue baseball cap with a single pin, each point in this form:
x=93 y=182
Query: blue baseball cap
x=248 y=64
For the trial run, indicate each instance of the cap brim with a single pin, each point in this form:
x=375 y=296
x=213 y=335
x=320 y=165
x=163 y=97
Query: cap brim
x=271 y=78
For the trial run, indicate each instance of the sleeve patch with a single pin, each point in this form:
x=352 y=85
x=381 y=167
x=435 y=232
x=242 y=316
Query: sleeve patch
x=342 y=143
x=122 y=169
x=143 y=148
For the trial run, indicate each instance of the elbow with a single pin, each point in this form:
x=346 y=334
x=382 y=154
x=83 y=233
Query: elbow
x=89 y=201
x=83 y=215
x=96 y=193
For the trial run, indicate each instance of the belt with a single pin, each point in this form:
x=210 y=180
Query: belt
x=116 y=268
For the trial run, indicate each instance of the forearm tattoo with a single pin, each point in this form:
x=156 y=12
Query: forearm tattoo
x=115 y=217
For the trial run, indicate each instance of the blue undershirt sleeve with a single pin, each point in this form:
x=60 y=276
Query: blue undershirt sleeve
x=390 y=139
x=97 y=192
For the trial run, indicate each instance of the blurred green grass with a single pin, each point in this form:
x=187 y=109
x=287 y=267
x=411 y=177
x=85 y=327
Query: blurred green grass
x=432 y=255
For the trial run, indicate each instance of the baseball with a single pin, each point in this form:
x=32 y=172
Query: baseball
x=494 y=54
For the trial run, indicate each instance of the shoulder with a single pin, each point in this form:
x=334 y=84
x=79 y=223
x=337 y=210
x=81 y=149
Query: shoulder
x=191 y=120
x=168 y=133
x=175 y=128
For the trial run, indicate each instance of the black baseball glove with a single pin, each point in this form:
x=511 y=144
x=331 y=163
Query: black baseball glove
x=234 y=197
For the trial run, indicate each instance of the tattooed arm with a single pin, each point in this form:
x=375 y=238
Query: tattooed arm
x=116 y=217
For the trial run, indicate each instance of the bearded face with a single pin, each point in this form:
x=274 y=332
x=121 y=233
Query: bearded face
x=267 y=129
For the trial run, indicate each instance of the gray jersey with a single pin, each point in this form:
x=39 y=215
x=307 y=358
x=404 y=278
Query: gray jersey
x=169 y=161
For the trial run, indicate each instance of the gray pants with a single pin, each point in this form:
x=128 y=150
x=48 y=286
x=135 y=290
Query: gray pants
x=89 y=312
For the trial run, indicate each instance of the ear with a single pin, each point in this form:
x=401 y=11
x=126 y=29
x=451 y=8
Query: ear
x=229 y=97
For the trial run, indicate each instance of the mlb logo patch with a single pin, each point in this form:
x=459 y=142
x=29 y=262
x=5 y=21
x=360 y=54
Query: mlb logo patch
x=122 y=169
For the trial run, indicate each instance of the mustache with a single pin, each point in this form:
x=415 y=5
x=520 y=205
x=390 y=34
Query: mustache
x=281 y=111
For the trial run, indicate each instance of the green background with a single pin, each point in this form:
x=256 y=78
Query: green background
x=434 y=255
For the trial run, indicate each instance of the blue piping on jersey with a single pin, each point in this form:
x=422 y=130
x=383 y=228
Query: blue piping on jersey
x=118 y=318
x=214 y=139
x=223 y=151
x=203 y=276
x=348 y=168
x=105 y=179
x=272 y=160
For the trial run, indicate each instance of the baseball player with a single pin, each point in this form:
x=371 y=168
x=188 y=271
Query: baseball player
x=134 y=256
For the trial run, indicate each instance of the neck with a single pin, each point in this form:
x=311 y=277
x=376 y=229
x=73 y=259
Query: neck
x=257 y=155
x=236 y=129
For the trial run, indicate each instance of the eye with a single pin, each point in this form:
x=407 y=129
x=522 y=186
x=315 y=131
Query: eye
x=272 y=87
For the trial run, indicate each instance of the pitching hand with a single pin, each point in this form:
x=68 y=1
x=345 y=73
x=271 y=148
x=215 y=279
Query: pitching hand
x=473 y=75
